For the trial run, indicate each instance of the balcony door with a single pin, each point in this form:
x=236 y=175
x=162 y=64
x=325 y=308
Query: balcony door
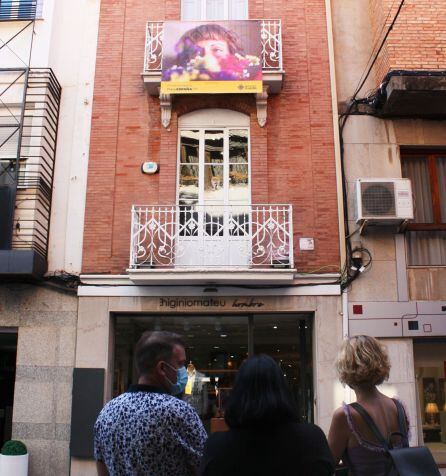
x=214 y=194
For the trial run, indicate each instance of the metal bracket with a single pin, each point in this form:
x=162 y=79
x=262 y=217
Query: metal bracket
x=403 y=226
x=262 y=106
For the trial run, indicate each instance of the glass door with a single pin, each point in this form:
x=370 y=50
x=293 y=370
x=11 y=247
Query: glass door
x=214 y=196
x=216 y=346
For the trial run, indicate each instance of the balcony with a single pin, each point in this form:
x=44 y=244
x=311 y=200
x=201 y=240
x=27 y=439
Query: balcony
x=29 y=114
x=415 y=94
x=211 y=243
x=18 y=10
x=271 y=57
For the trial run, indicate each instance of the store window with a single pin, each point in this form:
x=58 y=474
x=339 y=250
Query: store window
x=430 y=373
x=216 y=347
x=214 y=10
x=426 y=236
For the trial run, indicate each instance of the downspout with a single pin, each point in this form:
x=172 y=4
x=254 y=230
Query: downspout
x=337 y=151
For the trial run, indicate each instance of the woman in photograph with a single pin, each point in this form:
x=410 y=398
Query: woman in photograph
x=363 y=364
x=264 y=436
x=212 y=52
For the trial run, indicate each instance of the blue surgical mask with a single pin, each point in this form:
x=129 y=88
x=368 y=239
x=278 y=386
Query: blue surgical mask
x=179 y=386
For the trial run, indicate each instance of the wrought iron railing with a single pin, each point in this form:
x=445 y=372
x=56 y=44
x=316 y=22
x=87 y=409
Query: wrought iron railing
x=209 y=236
x=13 y=10
x=270 y=36
x=28 y=128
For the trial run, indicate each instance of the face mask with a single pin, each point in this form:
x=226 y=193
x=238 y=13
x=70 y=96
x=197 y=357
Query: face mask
x=179 y=386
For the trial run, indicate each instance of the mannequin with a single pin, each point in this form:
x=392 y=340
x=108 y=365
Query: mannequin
x=196 y=393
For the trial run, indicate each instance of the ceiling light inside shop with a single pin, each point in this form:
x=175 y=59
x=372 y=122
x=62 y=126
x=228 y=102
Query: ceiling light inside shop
x=216 y=347
x=274 y=327
x=223 y=335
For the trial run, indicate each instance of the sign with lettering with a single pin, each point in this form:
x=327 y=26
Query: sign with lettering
x=211 y=302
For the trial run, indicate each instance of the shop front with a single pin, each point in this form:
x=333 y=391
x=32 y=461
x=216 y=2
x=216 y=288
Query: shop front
x=430 y=375
x=300 y=330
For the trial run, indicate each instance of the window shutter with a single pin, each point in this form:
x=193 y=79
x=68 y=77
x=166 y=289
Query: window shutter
x=238 y=9
x=215 y=10
x=191 y=9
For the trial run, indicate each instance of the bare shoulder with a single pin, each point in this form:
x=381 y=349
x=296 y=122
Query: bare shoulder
x=339 y=417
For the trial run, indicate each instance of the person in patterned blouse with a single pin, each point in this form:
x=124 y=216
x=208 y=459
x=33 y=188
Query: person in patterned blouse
x=148 y=430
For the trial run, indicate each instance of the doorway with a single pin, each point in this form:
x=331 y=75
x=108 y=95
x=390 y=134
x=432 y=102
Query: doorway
x=214 y=196
x=216 y=345
x=8 y=354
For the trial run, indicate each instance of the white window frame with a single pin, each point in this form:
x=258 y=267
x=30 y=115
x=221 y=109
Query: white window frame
x=213 y=119
x=203 y=16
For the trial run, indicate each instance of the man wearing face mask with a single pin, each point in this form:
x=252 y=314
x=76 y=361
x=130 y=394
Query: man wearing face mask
x=148 y=430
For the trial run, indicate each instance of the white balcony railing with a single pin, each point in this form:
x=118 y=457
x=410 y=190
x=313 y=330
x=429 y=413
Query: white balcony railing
x=270 y=35
x=211 y=236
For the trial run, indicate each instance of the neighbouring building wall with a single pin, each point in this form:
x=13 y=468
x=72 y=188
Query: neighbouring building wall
x=65 y=40
x=292 y=157
x=72 y=55
x=372 y=150
x=416 y=42
x=46 y=321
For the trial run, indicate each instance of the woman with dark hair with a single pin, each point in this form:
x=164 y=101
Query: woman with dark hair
x=264 y=437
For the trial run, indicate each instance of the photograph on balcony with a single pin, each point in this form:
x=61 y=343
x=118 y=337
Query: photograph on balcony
x=212 y=57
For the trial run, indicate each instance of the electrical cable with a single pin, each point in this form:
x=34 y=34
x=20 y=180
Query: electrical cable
x=347 y=277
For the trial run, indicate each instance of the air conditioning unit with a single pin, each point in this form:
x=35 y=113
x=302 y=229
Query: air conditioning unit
x=383 y=201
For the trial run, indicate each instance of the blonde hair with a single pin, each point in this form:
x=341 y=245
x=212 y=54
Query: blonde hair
x=362 y=360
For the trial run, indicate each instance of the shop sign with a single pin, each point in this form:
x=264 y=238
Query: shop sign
x=212 y=57
x=236 y=303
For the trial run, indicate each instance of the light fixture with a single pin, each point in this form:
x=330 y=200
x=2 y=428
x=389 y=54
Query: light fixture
x=210 y=289
x=274 y=327
x=431 y=411
x=223 y=335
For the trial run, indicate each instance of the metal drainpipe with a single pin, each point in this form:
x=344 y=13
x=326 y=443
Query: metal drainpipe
x=337 y=147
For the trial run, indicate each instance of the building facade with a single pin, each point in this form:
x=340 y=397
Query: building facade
x=390 y=66
x=47 y=61
x=214 y=213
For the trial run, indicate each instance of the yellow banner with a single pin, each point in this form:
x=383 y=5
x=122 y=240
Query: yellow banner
x=210 y=87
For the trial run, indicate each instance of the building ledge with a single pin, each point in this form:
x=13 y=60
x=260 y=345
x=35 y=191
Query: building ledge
x=22 y=264
x=187 y=276
x=413 y=94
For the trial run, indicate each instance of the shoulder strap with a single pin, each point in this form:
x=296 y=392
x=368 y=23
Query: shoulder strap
x=371 y=424
x=402 y=422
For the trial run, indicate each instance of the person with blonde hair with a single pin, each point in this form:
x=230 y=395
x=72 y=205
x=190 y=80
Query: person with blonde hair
x=363 y=364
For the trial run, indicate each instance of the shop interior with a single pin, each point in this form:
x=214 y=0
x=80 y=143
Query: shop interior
x=430 y=374
x=8 y=352
x=216 y=345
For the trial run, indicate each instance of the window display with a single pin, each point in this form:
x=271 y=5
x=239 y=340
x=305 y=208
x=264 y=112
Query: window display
x=430 y=374
x=215 y=347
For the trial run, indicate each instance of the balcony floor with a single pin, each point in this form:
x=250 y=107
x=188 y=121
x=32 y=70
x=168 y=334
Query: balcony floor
x=187 y=276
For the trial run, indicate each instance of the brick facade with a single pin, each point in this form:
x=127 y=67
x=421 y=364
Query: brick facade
x=292 y=157
x=418 y=39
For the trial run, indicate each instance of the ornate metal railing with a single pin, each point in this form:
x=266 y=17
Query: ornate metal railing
x=270 y=35
x=207 y=236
